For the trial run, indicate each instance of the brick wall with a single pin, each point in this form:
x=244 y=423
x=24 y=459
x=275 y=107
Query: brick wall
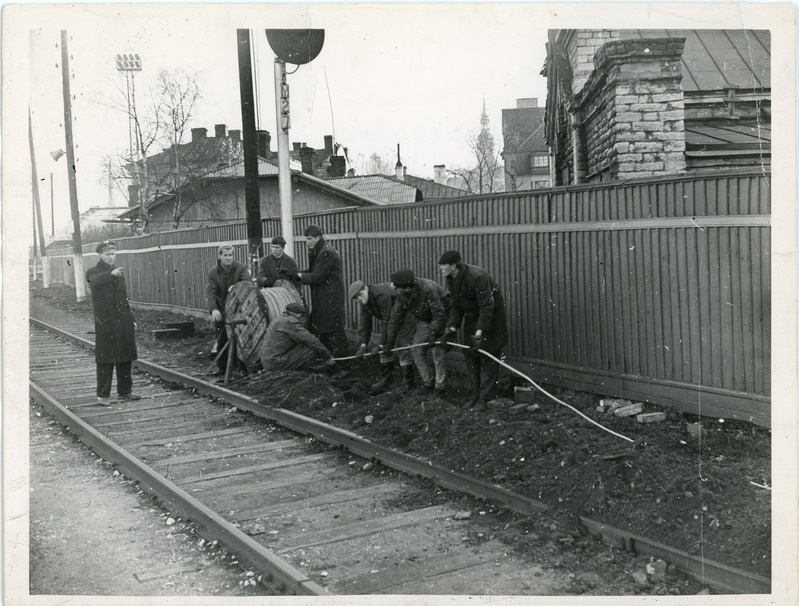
x=631 y=111
x=581 y=46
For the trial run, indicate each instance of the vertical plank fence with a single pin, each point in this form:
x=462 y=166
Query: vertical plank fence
x=656 y=290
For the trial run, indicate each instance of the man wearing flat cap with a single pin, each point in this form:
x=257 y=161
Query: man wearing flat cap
x=376 y=302
x=478 y=303
x=425 y=301
x=290 y=346
x=277 y=265
x=114 y=327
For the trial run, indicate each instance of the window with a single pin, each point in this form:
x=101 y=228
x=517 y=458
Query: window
x=540 y=160
x=541 y=184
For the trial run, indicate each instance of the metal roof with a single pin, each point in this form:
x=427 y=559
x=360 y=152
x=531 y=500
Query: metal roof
x=718 y=59
x=381 y=189
x=740 y=136
x=430 y=189
x=236 y=170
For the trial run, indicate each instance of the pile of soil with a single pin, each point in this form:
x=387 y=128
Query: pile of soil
x=693 y=493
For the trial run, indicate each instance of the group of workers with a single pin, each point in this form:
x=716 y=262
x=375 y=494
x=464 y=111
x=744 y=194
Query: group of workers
x=419 y=318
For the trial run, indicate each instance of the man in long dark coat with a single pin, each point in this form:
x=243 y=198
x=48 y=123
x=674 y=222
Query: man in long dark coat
x=477 y=301
x=114 y=327
x=327 y=292
x=226 y=273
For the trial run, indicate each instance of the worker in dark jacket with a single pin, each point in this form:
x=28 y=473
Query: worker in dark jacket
x=376 y=302
x=327 y=292
x=277 y=265
x=477 y=301
x=220 y=279
x=290 y=346
x=423 y=300
x=114 y=336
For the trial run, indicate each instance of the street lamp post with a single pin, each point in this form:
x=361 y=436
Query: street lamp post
x=295 y=46
x=129 y=64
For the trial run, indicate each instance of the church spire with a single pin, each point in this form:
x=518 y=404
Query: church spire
x=484 y=117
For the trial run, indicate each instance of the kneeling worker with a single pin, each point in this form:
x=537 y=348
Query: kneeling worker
x=291 y=347
x=376 y=302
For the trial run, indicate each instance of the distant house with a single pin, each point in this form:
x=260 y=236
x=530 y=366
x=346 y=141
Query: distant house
x=222 y=197
x=432 y=189
x=525 y=153
x=636 y=103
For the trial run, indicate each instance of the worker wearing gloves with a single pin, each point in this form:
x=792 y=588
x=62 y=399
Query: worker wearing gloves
x=291 y=347
x=424 y=300
x=477 y=302
x=376 y=302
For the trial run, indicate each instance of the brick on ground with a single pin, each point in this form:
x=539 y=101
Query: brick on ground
x=525 y=394
x=651 y=417
x=629 y=410
x=610 y=405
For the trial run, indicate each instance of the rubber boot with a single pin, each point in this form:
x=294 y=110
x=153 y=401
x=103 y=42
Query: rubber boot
x=407 y=376
x=386 y=379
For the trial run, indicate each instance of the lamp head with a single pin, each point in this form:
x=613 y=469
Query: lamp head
x=296 y=46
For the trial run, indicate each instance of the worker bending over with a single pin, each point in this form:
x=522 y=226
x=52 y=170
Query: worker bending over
x=291 y=347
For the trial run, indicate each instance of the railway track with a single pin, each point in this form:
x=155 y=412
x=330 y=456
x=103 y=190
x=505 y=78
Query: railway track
x=270 y=485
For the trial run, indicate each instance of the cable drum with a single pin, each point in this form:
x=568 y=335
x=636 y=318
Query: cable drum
x=248 y=312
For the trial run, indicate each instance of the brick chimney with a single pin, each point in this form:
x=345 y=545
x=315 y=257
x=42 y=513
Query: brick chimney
x=306 y=158
x=399 y=169
x=351 y=172
x=641 y=130
x=328 y=145
x=439 y=173
x=220 y=130
x=235 y=134
x=198 y=133
x=296 y=147
x=338 y=166
x=264 y=143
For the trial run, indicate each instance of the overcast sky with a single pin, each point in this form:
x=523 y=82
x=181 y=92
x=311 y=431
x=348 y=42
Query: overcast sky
x=408 y=74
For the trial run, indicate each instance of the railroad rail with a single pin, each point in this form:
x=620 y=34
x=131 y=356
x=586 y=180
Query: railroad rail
x=159 y=453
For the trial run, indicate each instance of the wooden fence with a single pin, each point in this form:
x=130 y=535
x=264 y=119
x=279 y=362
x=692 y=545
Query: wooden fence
x=655 y=290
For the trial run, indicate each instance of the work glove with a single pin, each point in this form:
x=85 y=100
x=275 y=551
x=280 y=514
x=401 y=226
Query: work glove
x=216 y=315
x=361 y=351
x=445 y=338
x=476 y=342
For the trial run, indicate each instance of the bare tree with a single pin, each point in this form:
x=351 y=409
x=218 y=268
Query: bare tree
x=486 y=176
x=375 y=164
x=180 y=93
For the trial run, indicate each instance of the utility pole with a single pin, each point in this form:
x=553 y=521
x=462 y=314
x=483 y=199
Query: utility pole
x=252 y=197
x=77 y=246
x=41 y=257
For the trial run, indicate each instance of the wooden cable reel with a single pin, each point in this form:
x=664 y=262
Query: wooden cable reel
x=249 y=311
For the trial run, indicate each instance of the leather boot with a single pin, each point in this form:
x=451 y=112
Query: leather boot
x=386 y=379
x=407 y=376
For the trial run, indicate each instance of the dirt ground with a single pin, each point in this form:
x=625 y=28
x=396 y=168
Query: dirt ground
x=153 y=552
x=693 y=493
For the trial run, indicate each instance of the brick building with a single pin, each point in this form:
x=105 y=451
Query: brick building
x=525 y=153
x=641 y=103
